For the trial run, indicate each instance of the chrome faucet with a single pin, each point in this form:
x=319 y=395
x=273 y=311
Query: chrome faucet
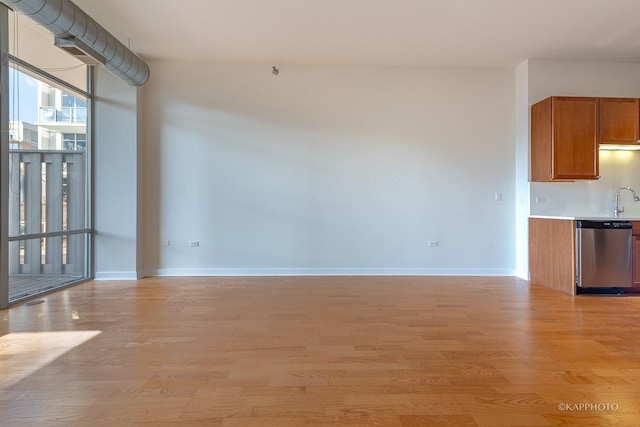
x=616 y=210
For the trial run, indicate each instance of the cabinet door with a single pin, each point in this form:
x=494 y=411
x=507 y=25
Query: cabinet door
x=564 y=139
x=541 y=156
x=635 y=260
x=619 y=120
x=574 y=138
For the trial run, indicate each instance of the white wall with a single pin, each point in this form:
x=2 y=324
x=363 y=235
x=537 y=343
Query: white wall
x=328 y=170
x=589 y=198
x=116 y=179
x=522 y=169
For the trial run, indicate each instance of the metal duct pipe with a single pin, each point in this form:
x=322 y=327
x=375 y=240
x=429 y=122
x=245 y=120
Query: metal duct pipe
x=64 y=19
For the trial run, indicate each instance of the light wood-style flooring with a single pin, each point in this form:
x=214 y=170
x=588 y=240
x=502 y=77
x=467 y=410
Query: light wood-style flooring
x=320 y=351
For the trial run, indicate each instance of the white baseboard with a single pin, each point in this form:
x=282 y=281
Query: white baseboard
x=522 y=275
x=178 y=272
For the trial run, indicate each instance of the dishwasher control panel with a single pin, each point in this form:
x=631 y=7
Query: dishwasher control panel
x=604 y=224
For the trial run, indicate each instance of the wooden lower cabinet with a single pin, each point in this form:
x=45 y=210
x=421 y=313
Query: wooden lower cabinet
x=552 y=254
x=635 y=255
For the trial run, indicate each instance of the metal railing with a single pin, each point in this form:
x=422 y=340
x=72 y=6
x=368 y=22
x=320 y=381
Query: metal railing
x=63 y=115
x=47 y=212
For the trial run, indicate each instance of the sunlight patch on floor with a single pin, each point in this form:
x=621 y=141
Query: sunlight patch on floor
x=24 y=353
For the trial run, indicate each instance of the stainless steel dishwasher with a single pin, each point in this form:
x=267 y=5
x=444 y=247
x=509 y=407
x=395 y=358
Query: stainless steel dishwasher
x=603 y=254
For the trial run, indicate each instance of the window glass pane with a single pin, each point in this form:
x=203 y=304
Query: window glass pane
x=81 y=113
x=48 y=183
x=33 y=44
x=40 y=114
x=81 y=142
x=68 y=100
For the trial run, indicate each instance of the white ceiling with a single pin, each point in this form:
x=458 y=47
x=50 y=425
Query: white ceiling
x=375 y=32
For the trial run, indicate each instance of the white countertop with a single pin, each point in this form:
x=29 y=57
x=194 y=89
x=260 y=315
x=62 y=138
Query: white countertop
x=586 y=218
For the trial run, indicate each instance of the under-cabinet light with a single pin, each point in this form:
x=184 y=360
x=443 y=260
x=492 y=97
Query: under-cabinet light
x=619 y=147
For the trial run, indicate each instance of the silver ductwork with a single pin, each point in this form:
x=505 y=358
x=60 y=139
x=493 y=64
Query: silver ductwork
x=67 y=21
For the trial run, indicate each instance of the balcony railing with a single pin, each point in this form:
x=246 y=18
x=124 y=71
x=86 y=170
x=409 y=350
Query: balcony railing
x=63 y=115
x=47 y=213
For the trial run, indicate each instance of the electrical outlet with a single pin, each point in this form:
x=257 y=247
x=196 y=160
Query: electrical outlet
x=165 y=243
x=194 y=244
x=433 y=243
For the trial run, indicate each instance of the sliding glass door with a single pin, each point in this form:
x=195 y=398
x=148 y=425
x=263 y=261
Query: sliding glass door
x=47 y=163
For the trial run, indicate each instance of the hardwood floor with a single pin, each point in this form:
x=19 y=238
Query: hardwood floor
x=320 y=351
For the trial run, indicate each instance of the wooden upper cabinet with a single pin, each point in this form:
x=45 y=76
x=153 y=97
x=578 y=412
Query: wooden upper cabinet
x=619 y=120
x=564 y=139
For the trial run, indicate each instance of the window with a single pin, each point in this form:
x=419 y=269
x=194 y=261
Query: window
x=74 y=141
x=48 y=163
